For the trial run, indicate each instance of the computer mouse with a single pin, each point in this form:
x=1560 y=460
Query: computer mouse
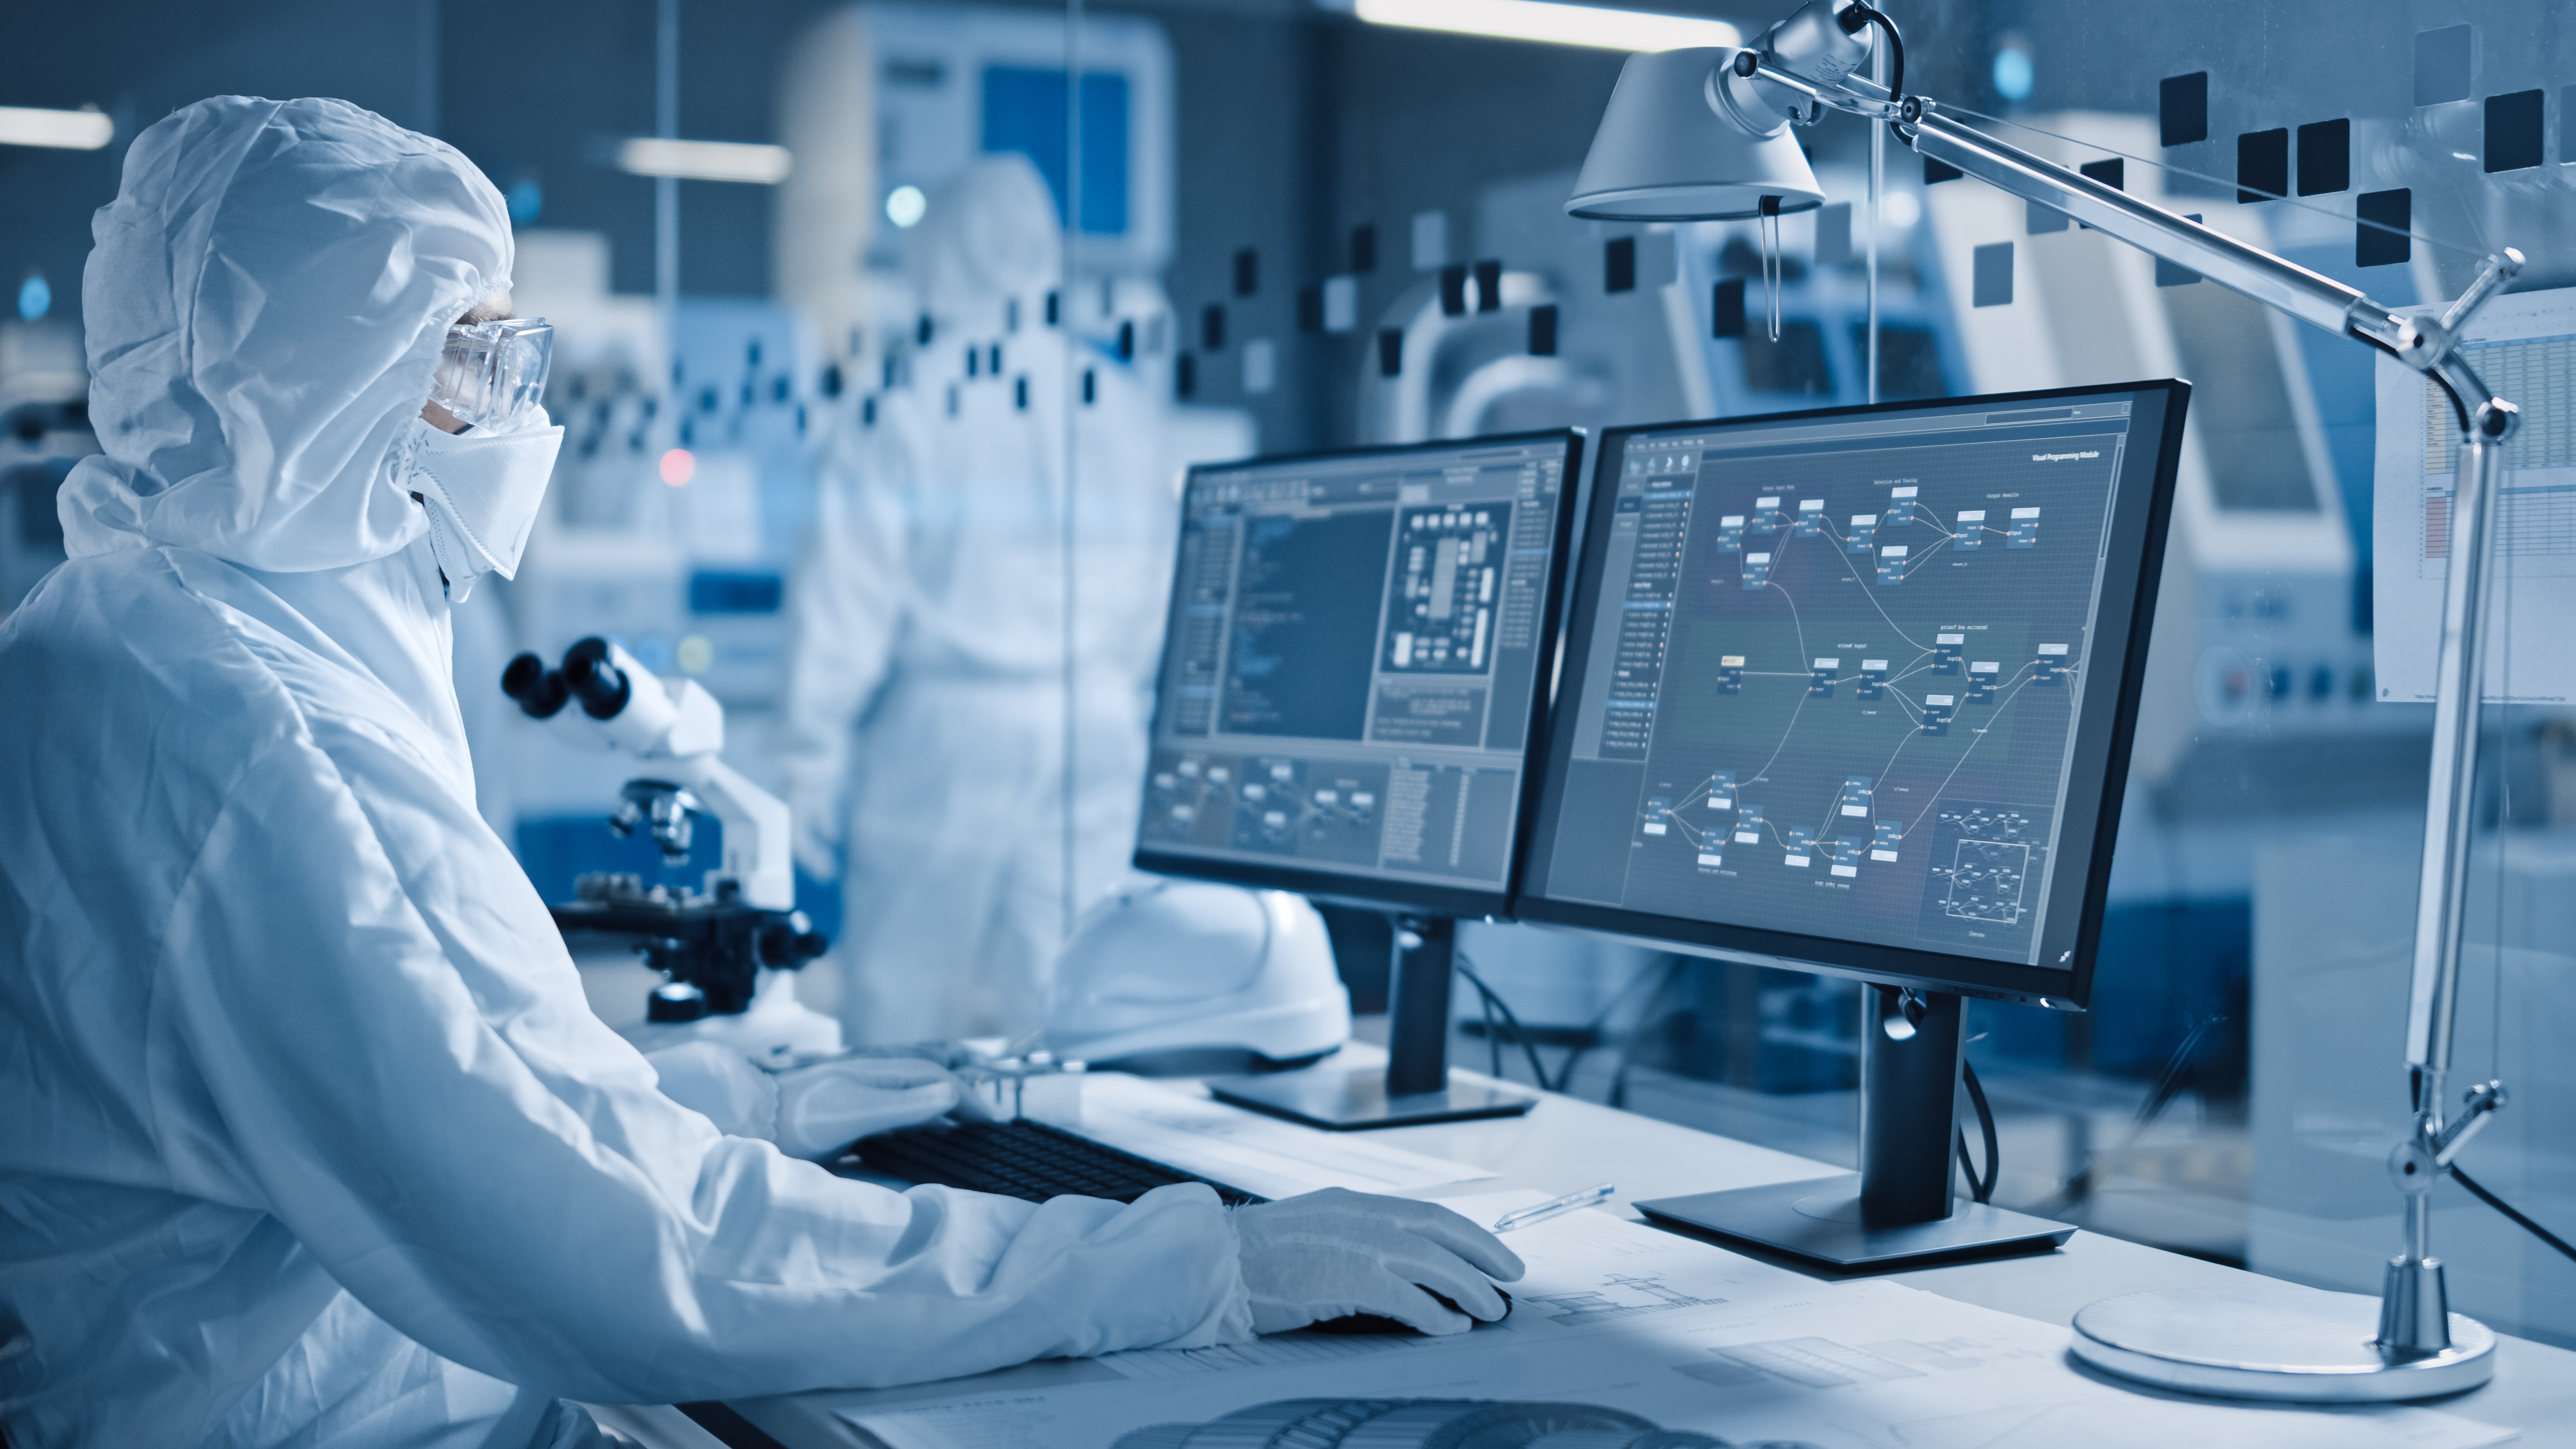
x=1379 y=1323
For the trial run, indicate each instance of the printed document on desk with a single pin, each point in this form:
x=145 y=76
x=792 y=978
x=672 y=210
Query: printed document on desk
x=1243 y=1149
x=2524 y=347
x=1869 y=1365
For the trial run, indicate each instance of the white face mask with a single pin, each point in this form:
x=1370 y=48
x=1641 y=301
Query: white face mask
x=481 y=491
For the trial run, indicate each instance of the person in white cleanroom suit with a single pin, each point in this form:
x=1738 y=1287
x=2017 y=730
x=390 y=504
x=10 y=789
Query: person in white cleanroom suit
x=310 y=1137
x=925 y=703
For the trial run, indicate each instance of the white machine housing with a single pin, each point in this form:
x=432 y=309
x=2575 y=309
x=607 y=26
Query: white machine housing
x=1182 y=974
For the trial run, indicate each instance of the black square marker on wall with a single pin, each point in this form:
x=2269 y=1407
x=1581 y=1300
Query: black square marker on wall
x=1364 y=247
x=2182 y=108
x=2044 y=218
x=1938 y=171
x=1619 y=264
x=1726 y=309
x=2380 y=238
x=2263 y=165
x=1185 y=374
x=1127 y=340
x=1310 y=309
x=1390 y=351
x=1489 y=286
x=2513 y=131
x=2442 y=64
x=2169 y=275
x=2325 y=157
x=1992 y=274
x=1212 y=327
x=2111 y=171
x=1542 y=339
x=1247 y=272
x=1453 y=291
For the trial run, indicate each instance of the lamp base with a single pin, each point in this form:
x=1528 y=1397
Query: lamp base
x=2273 y=1341
x=1343 y=1099
x=1819 y=1220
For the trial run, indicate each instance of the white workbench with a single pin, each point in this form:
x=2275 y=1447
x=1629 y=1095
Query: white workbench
x=1566 y=1143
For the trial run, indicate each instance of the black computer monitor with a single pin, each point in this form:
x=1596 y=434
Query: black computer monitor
x=1851 y=691
x=1354 y=678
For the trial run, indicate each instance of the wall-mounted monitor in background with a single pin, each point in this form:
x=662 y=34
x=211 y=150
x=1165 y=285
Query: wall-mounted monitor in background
x=1354 y=676
x=1851 y=691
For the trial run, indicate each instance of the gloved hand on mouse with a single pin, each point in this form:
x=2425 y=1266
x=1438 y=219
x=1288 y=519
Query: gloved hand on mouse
x=1335 y=1253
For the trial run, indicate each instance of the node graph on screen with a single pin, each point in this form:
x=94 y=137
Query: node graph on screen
x=1851 y=691
x=1830 y=676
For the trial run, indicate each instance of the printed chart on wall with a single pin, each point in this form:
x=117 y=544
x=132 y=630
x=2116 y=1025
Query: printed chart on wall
x=1623 y=1336
x=2524 y=347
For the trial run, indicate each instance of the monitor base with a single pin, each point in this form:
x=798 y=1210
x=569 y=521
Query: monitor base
x=1819 y=1220
x=1344 y=1099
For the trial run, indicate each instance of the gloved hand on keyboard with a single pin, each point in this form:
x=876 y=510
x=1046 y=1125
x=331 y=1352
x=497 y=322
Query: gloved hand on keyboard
x=826 y=1107
x=812 y=1112
x=1335 y=1253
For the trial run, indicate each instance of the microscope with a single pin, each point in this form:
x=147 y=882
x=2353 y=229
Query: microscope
x=725 y=951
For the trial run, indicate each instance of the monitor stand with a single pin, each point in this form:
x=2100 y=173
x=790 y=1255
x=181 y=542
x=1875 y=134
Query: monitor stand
x=1415 y=1087
x=1899 y=1206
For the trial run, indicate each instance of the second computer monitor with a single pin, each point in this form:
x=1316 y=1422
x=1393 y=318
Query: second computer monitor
x=1358 y=654
x=1851 y=690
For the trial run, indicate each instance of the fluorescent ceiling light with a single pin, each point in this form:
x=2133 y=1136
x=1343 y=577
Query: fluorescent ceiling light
x=64 y=130
x=704 y=160
x=1554 y=24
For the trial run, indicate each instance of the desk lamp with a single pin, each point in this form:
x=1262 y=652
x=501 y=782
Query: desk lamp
x=1703 y=134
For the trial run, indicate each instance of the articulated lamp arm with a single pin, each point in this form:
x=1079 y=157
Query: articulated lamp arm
x=1810 y=62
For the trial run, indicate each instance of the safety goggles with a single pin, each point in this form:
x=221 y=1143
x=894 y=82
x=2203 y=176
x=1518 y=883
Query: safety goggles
x=491 y=373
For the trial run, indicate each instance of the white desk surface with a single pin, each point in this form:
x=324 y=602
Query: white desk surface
x=1565 y=1143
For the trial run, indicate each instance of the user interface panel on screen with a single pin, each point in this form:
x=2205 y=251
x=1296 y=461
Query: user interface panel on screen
x=1348 y=679
x=1833 y=673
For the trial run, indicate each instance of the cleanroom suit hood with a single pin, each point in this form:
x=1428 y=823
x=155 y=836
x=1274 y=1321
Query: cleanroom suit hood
x=312 y=1137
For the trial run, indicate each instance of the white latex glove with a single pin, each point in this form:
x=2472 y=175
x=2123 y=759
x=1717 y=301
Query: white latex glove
x=826 y=1107
x=720 y=1084
x=1334 y=1253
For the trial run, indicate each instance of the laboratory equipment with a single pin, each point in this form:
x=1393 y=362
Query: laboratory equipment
x=1024 y=1159
x=1357 y=648
x=1185 y=977
x=1768 y=749
x=724 y=951
x=1806 y=64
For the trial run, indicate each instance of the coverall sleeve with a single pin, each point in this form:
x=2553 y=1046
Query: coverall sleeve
x=361 y=984
x=845 y=610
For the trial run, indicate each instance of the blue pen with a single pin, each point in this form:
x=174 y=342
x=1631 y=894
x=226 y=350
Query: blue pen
x=1553 y=1207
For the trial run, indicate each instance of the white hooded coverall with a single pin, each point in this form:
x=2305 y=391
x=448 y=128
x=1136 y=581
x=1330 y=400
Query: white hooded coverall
x=928 y=636
x=310 y=1136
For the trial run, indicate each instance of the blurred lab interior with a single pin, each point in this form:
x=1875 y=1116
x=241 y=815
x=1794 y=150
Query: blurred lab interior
x=886 y=336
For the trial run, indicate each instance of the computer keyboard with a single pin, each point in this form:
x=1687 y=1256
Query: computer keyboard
x=1023 y=1159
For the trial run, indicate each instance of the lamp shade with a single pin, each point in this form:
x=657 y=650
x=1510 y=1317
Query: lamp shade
x=1668 y=150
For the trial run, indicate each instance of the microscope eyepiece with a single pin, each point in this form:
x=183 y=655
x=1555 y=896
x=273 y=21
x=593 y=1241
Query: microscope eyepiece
x=594 y=679
x=540 y=692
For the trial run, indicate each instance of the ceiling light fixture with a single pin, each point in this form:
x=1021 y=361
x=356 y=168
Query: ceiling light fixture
x=704 y=160
x=1600 y=26
x=81 y=130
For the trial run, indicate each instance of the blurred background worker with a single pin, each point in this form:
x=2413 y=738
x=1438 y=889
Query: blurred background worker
x=926 y=740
